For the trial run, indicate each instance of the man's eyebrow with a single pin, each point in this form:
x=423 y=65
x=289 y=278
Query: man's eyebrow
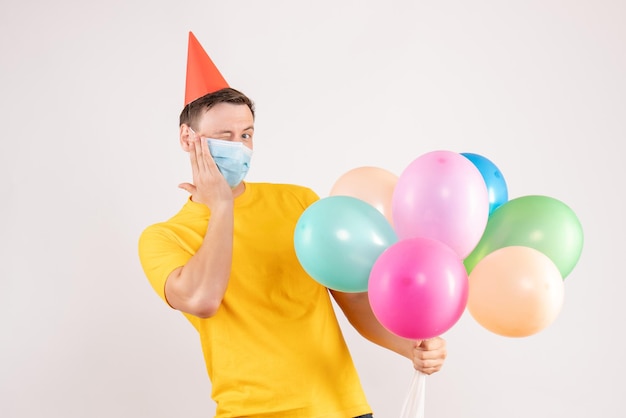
x=228 y=131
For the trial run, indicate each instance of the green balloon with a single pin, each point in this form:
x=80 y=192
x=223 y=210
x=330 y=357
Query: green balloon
x=540 y=222
x=337 y=240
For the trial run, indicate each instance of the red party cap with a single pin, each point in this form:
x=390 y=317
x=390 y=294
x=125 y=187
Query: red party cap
x=203 y=77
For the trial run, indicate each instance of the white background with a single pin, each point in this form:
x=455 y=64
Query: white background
x=90 y=94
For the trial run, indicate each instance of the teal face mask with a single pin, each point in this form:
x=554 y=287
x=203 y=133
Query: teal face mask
x=232 y=159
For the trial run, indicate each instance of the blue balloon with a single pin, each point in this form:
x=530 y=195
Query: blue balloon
x=337 y=240
x=494 y=180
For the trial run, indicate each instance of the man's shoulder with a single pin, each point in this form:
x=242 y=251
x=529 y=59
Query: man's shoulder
x=301 y=193
x=283 y=187
x=189 y=212
x=301 y=196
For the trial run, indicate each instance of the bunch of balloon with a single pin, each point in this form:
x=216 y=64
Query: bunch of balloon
x=338 y=238
x=517 y=270
x=441 y=237
x=418 y=287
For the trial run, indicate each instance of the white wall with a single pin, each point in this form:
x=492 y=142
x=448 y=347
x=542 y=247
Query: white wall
x=89 y=99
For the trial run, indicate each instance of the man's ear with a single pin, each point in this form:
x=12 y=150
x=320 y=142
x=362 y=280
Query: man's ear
x=185 y=137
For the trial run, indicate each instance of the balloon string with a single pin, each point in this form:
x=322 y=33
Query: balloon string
x=414 y=403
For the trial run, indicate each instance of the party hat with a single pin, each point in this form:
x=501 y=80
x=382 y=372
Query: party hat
x=203 y=77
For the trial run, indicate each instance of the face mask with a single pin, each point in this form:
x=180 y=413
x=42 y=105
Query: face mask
x=232 y=159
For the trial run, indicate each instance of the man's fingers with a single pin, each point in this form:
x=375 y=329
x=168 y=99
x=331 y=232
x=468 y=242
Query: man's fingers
x=202 y=158
x=430 y=354
x=429 y=370
x=199 y=151
x=207 y=158
x=431 y=349
x=431 y=344
x=193 y=158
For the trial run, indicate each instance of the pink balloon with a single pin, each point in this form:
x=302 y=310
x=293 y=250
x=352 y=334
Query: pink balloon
x=418 y=288
x=443 y=196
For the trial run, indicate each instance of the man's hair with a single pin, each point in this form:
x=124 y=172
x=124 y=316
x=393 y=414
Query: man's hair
x=194 y=110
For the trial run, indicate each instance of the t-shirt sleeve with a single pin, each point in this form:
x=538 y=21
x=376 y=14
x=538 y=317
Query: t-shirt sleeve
x=160 y=254
x=310 y=197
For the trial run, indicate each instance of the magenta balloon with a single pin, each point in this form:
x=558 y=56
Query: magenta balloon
x=443 y=196
x=418 y=288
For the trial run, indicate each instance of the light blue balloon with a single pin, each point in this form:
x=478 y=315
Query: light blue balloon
x=494 y=180
x=337 y=240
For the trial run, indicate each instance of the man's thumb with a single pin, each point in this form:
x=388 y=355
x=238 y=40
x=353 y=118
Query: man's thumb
x=189 y=188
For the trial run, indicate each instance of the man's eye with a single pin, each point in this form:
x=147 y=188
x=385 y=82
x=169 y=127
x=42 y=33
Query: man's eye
x=246 y=136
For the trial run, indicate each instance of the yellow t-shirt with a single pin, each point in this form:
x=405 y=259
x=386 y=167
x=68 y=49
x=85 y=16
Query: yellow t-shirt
x=274 y=348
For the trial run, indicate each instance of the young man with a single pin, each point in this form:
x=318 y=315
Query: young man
x=270 y=338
